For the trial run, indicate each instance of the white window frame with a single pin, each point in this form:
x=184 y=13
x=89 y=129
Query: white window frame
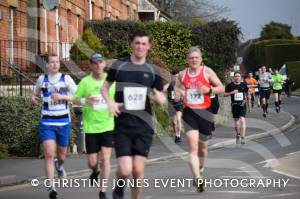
x=90 y=9
x=11 y=35
x=77 y=23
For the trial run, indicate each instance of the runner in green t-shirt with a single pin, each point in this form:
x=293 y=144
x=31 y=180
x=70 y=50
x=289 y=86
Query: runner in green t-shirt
x=278 y=81
x=98 y=124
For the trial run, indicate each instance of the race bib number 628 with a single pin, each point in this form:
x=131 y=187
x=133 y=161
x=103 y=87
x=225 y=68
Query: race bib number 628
x=135 y=98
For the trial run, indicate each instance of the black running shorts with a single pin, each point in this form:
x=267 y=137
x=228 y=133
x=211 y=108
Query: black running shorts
x=265 y=93
x=173 y=108
x=94 y=141
x=238 y=111
x=198 y=119
x=277 y=91
x=133 y=143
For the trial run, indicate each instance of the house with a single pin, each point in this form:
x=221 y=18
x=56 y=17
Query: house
x=150 y=11
x=28 y=30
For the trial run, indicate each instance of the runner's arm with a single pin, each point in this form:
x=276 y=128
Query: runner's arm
x=228 y=91
x=177 y=88
x=72 y=87
x=159 y=96
x=112 y=105
x=79 y=95
x=158 y=89
x=37 y=90
x=105 y=91
x=166 y=86
x=217 y=86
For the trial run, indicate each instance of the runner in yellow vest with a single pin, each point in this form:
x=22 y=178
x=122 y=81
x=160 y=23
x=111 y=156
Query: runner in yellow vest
x=278 y=81
x=98 y=124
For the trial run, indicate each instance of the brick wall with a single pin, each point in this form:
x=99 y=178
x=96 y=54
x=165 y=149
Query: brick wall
x=19 y=31
x=70 y=11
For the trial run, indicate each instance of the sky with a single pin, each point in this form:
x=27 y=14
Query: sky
x=252 y=15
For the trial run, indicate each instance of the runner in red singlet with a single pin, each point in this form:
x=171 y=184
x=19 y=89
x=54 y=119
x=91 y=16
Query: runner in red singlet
x=199 y=82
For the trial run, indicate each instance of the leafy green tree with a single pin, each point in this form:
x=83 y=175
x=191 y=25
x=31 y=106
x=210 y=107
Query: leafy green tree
x=275 y=30
x=86 y=45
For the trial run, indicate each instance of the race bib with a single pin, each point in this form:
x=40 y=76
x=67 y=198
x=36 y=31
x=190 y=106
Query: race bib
x=100 y=104
x=193 y=97
x=172 y=95
x=239 y=97
x=256 y=89
x=55 y=105
x=135 y=98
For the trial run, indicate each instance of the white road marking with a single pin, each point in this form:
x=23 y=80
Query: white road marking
x=258 y=177
x=286 y=174
x=269 y=163
x=293 y=153
x=238 y=192
x=244 y=171
x=278 y=195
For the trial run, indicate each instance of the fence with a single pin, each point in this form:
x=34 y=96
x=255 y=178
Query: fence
x=29 y=55
x=21 y=62
x=15 y=82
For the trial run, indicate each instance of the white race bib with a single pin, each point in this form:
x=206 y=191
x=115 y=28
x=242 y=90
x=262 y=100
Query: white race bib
x=194 y=97
x=56 y=105
x=135 y=98
x=172 y=95
x=239 y=97
x=100 y=104
x=256 y=89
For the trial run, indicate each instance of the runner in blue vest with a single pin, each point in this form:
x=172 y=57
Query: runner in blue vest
x=55 y=123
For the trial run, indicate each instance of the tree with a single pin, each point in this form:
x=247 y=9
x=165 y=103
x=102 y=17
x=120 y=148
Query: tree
x=186 y=10
x=86 y=45
x=275 y=30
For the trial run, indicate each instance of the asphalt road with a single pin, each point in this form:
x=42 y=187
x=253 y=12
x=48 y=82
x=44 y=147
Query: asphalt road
x=264 y=168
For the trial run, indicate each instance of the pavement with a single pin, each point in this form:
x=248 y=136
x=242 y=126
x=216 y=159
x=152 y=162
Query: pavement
x=22 y=170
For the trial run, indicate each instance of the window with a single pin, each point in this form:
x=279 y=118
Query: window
x=11 y=35
x=90 y=9
x=67 y=24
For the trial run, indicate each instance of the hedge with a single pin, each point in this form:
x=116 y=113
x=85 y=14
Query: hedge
x=172 y=40
x=277 y=55
x=114 y=34
x=218 y=40
x=19 y=126
x=19 y=122
x=256 y=55
x=293 y=71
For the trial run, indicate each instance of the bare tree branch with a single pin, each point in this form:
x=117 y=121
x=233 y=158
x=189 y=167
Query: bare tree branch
x=186 y=10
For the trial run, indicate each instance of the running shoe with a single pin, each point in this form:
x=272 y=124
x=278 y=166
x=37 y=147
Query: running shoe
x=243 y=140
x=199 y=184
x=118 y=193
x=94 y=177
x=61 y=173
x=238 y=139
x=102 y=195
x=52 y=194
x=177 y=139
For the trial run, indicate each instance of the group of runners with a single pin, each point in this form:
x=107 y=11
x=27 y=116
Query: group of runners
x=261 y=87
x=117 y=112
